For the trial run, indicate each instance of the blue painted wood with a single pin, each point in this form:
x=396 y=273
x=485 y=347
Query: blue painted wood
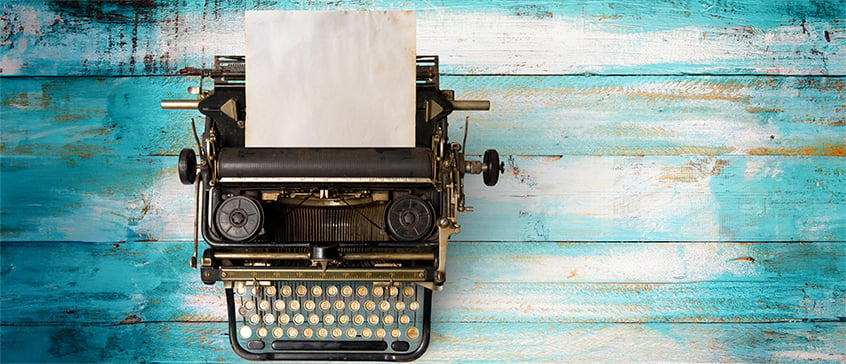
x=103 y=155
x=503 y=36
x=456 y=342
x=620 y=231
x=488 y=282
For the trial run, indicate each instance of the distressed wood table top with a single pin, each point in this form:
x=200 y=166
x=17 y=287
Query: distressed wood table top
x=675 y=182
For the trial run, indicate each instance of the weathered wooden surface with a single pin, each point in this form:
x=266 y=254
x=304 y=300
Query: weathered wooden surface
x=478 y=37
x=483 y=342
x=675 y=185
x=684 y=163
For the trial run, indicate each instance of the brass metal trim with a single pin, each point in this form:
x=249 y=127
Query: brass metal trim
x=235 y=274
x=306 y=256
x=325 y=180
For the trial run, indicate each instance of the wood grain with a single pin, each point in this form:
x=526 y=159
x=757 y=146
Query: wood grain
x=488 y=282
x=476 y=37
x=454 y=342
x=674 y=183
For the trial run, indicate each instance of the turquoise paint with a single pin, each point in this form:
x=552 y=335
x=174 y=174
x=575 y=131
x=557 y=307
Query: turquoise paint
x=88 y=140
x=138 y=198
x=654 y=115
x=541 y=342
x=669 y=161
x=96 y=38
x=488 y=282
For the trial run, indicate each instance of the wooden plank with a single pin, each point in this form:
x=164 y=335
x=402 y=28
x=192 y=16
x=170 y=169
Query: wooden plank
x=654 y=115
x=479 y=37
x=96 y=283
x=661 y=198
x=678 y=115
x=454 y=342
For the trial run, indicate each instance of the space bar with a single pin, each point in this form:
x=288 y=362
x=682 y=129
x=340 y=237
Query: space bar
x=328 y=345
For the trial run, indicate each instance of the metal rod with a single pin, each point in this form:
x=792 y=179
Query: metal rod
x=180 y=104
x=267 y=255
x=396 y=256
x=325 y=180
x=481 y=105
x=351 y=256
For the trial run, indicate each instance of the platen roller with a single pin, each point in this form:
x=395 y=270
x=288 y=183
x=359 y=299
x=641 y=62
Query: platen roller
x=325 y=162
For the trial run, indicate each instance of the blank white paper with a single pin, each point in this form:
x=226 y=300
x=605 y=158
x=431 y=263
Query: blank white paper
x=330 y=78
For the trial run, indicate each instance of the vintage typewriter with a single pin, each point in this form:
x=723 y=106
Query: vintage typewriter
x=326 y=253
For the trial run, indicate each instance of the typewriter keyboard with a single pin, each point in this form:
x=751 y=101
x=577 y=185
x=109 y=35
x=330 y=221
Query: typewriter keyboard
x=329 y=316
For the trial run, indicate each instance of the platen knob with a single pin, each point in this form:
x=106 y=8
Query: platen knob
x=187 y=166
x=492 y=167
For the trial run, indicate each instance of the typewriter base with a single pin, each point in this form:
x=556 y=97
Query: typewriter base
x=340 y=347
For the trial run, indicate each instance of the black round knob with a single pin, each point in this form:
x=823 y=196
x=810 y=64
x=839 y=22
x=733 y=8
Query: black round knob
x=492 y=167
x=187 y=166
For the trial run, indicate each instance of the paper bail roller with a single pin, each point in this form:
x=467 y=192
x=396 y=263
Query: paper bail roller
x=325 y=162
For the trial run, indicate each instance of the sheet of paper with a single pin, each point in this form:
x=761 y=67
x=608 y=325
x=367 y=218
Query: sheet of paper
x=330 y=78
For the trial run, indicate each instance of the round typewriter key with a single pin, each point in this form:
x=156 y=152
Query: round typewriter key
x=384 y=305
x=351 y=332
x=245 y=332
x=355 y=305
x=343 y=319
x=404 y=319
x=279 y=305
x=325 y=306
x=373 y=319
x=322 y=332
x=347 y=291
x=249 y=305
x=284 y=319
x=242 y=311
x=380 y=333
x=316 y=291
x=361 y=290
x=264 y=305
x=412 y=333
x=308 y=305
x=358 y=319
x=299 y=319
x=292 y=332
x=254 y=319
x=313 y=319
x=413 y=306
x=308 y=332
x=278 y=332
x=331 y=291
x=261 y=332
x=400 y=305
x=339 y=305
x=388 y=320
x=286 y=291
x=240 y=290
x=328 y=319
x=378 y=291
x=369 y=305
x=270 y=291
x=269 y=318
x=254 y=291
x=294 y=305
x=395 y=333
x=302 y=291
x=393 y=291
x=336 y=332
x=366 y=332
x=408 y=291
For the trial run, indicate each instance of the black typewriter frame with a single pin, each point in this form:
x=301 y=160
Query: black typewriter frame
x=225 y=111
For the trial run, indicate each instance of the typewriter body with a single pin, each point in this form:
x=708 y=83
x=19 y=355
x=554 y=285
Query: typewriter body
x=326 y=253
